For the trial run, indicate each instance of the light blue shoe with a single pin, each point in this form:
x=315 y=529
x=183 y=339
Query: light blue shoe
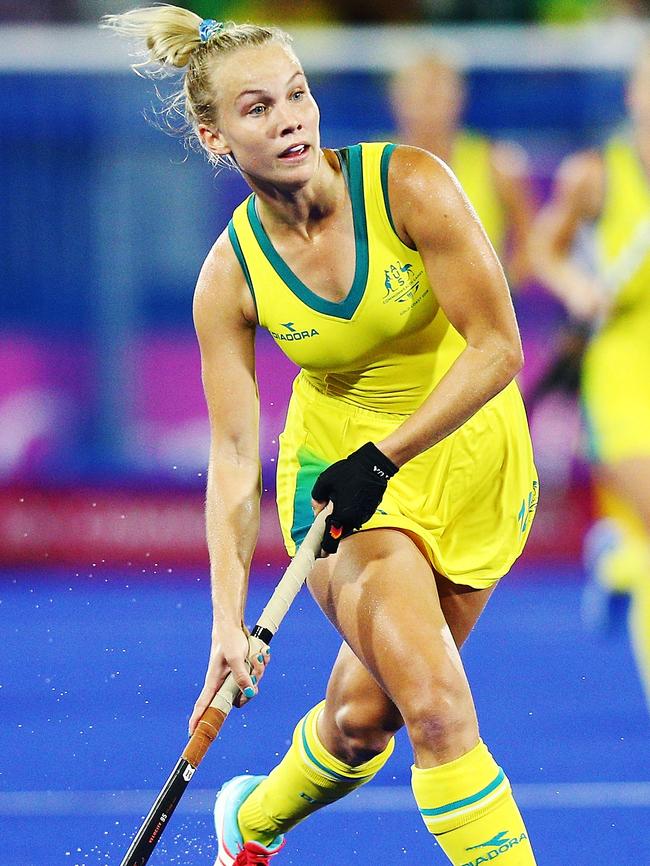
x=603 y=609
x=232 y=849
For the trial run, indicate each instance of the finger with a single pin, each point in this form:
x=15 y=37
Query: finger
x=243 y=678
x=258 y=663
x=197 y=712
x=246 y=695
x=317 y=506
x=201 y=705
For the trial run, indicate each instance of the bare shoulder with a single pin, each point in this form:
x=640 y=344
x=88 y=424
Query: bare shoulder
x=424 y=190
x=417 y=171
x=580 y=182
x=221 y=290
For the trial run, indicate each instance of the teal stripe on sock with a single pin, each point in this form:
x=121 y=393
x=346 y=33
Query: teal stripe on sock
x=315 y=761
x=325 y=769
x=450 y=807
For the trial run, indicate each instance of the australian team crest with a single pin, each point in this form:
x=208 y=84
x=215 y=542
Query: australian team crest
x=402 y=283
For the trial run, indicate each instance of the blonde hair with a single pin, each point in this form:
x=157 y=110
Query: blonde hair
x=172 y=43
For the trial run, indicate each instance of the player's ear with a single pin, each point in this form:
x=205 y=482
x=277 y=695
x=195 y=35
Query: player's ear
x=213 y=141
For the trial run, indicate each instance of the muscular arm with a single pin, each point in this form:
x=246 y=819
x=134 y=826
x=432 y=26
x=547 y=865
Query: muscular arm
x=432 y=214
x=225 y=330
x=576 y=199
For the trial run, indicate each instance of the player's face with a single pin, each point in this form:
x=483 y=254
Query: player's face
x=267 y=117
x=428 y=98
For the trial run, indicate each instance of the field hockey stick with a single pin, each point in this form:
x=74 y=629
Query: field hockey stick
x=215 y=715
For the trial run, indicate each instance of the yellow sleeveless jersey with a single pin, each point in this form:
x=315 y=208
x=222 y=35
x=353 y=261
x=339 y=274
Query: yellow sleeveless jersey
x=387 y=344
x=623 y=230
x=471 y=162
x=368 y=361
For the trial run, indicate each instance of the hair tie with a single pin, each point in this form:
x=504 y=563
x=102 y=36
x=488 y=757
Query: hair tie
x=209 y=28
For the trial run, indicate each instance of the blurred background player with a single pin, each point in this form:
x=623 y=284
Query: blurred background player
x=427 y=99
x=607 y=192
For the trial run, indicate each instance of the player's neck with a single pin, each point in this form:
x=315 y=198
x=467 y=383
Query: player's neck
x=303 y=209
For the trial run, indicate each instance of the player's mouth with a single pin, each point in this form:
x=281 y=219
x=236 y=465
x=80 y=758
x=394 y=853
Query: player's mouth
x=294 y=153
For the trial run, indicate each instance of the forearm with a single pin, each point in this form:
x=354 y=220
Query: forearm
x=232 y=527
x=477 y=375
x=563 y=277
x=551 y=253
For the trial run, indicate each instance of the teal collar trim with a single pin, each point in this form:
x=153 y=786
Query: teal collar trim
x=350 y=159
x=385 y=161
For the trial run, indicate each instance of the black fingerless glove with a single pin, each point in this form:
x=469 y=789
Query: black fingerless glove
x=355 y=486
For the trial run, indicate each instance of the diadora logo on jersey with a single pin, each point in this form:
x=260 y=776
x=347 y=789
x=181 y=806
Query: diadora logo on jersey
x=291 y=333
x=528 y=507
x=494 y=847
x=402 y=284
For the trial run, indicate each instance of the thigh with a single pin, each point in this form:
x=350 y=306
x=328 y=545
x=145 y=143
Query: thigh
x=357 y=709
x=461 y=606
x=381 y=594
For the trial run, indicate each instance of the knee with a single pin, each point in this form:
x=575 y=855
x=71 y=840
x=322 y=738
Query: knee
x=440 y=716
x=361 y=737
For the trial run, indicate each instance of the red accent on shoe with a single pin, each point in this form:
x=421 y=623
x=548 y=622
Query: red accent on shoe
x=254 y=854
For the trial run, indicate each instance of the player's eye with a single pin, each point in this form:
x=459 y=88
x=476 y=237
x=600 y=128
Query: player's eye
x=257 y=109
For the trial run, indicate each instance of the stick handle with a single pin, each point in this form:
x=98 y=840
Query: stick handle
x=267 y=625
x=294 y=577
x=213 y=718
x=205 y=733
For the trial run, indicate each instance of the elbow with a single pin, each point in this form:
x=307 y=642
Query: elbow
x=240 y=466
x=508 y=362
x=512 y=361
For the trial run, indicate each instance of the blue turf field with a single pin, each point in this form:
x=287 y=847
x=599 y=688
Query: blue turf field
x=99 y=673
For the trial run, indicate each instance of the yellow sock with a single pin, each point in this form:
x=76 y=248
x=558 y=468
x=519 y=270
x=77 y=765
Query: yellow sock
x=468 y=806
x=306 y=779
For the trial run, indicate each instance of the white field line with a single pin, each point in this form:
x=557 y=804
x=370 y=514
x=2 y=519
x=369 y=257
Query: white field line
x=565 y=795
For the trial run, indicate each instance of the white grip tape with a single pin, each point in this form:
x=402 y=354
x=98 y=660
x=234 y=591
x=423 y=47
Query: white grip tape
x=224 y=698
x=287 y=589
x=257 y=647
x=294 y=577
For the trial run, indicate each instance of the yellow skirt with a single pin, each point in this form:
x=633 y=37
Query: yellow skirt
x=616 y=391
x=468 y=502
